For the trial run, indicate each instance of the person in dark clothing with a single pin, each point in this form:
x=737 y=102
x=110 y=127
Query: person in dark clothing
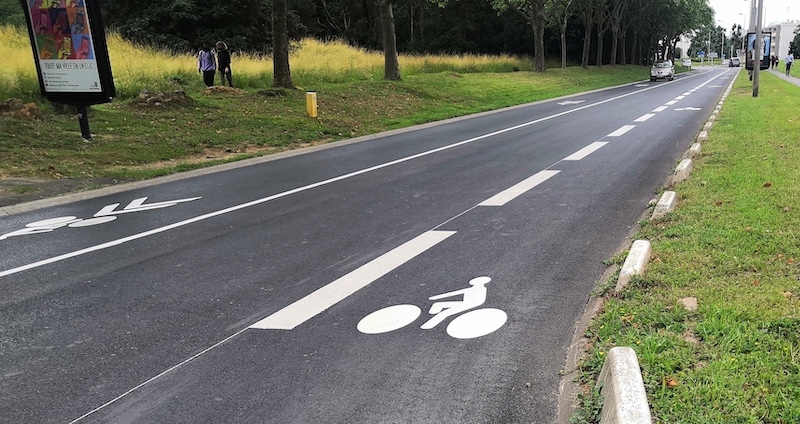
x=224 y=63
x=206 y=65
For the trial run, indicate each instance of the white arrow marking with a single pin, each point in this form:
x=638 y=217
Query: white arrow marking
x=572 y=102
x=689 y=108
x=138 y=205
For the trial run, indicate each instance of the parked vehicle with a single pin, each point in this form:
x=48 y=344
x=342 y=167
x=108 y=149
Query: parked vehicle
x=687 y=63
x=735 y=63
x=663 y=69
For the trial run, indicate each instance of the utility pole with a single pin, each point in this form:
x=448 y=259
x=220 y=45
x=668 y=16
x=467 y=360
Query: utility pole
x=757 y=49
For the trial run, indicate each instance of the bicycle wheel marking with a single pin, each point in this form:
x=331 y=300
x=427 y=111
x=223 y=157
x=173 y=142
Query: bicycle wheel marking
x=389 y=319
x=477 y=323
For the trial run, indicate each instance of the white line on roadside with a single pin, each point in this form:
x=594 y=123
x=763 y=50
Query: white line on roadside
x=586 y=151
x=621 y=131
x=513 y=192
x=333 y=293
x=644 y=117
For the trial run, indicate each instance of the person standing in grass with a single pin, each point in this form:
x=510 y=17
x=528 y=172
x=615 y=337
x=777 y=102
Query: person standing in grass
x=224 y=63
x=789 y=61
x=206 y=65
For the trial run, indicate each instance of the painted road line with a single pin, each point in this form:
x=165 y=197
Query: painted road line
x=645 y=117
x=333 y=293
x=621 y=131
x=512 y=193
x=671 y=102
x=680 y=97
x=660 y=109
x=159 y=230
x=586 y=151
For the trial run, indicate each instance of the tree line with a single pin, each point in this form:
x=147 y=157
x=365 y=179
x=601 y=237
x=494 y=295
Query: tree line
x=585 y=32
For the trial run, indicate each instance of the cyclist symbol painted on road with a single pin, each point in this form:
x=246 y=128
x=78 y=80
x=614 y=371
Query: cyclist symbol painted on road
x=107 y=214
x=476 y=323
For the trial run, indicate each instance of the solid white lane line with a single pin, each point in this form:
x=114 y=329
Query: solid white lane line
x=645 y=117
x=586 y=151
x=621 y=131
x=331 y=294
x=510 y=194
x=305 y=188
x=660 y=109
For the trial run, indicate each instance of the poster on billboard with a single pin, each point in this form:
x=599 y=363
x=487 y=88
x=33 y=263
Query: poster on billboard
x=766 y=45
x=69 y=48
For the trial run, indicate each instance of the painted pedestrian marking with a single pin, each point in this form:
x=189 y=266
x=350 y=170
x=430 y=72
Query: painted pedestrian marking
x=106 y=214
x=472 y=324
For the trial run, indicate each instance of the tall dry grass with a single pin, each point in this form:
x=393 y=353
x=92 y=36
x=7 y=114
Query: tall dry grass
x=136 y=67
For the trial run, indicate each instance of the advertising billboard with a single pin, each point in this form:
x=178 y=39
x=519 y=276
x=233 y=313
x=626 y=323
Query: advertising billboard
x=766 y=47
x=69 y=48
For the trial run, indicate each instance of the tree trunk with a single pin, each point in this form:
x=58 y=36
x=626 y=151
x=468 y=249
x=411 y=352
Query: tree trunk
x=538 y=46
x=614 y=46
x=391 y=66
x=599 y=48
x=282 y=76
x=564 y=46
x=587 y=44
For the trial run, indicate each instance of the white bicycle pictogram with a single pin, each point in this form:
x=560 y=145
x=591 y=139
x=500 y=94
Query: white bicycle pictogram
x=472 y=324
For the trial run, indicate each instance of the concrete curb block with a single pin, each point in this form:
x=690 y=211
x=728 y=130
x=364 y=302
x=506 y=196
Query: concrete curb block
x=682 y=171
x=703 y=136
x=695 y=150
x=635 y=263
x=665 y=205
x=708 y=126
x=624 y=396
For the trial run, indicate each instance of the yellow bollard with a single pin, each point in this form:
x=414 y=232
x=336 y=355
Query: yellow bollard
x=311 y=103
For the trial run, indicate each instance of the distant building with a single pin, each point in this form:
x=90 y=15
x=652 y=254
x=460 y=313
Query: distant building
x=782 y=35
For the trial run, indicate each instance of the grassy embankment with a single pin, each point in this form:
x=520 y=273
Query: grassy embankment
x=131 y=141
x=734 y=244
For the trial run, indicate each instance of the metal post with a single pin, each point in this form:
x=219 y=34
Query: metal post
x=757 y=49
x=83 y=119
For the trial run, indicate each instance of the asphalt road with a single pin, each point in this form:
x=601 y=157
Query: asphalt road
x=250 y=295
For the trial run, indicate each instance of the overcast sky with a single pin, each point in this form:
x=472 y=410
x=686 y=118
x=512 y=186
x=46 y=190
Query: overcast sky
x=775 y=11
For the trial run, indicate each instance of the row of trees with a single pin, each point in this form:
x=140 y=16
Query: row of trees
x=589 y=32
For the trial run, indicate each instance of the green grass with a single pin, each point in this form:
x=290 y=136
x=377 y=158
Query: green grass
x=131 y=141
x=734 y=244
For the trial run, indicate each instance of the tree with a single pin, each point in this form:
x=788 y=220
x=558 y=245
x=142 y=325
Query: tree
x=537 y=14
x=561 y=12
x=794 y=45
x=586 y=10
x=391 y=66
x=11 y=13
x=281 y=75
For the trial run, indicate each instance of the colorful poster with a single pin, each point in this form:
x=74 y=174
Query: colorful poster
x=64 y=45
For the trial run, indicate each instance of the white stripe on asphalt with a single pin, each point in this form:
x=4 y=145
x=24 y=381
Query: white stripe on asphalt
x=510 y=194
x=586 y=151
x=621 y=131
x=331 y=294
x=660 y=109
x=645 y=117
x=671 y=102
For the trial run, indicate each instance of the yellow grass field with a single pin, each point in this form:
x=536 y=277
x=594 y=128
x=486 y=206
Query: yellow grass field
x=137 y=66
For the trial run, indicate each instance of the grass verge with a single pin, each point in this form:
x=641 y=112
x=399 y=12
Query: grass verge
x=734 y=244
x=133 y=139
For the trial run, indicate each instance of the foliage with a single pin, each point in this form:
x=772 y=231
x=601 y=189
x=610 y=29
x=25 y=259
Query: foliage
x=11 y=13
